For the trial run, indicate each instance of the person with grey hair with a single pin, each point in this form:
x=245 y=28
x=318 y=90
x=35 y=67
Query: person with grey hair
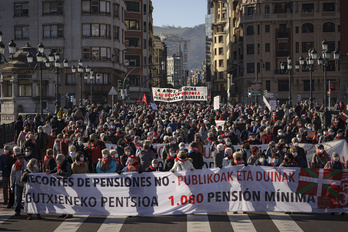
x=334 y=163
x=228 y=157
x=63 y=167
x=218 y=155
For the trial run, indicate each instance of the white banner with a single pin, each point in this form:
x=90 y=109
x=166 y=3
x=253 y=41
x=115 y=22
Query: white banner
x=230 y=189
x=186 y=93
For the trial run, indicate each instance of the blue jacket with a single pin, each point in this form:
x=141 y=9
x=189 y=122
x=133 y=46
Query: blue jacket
x=113 y=166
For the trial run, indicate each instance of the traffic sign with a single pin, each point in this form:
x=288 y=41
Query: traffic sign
x=112 y=91
x=138 y=101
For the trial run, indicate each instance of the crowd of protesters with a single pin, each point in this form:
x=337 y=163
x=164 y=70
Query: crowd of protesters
x=101 y=139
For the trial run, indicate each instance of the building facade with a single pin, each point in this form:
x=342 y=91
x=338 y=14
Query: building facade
x=263 y=34
x=140 y=47
x=91 y=31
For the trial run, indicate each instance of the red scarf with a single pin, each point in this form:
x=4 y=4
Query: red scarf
x=239 y=162
x=133 y=168
x=18 y=166
x=321 y=154
x=59 y=167
x=105 y=160
x=152 y=168
x=335 y=124
x=181 y=159
x=82 y=163
x=47 y=157
x=339 y=137
x=171 y=158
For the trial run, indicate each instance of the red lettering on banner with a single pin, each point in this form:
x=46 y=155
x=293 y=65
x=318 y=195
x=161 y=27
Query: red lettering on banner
x=250 y=176
x=230 y=177
x=285 y=177
x=291 y=177
x=223 y=177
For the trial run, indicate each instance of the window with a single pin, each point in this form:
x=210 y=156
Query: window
x=103 y=79
x=251 y=10
x=278 y=9
x=221 y=63
x=132 y=42
x=95 y=6
x=21 y=32
x=250 y=30
x=307 y=45
x=96 y=53
x=59 y=50
x=134 y=80
x=145 y=44
x=221 y=51
x=267 y=28
x=53 y=31
x=116 y=10
x=331 y=46
x=328 y=27
x=258 y=29
x=308 y=7
x=268 y=85
x=133 y=6
x=258 y=48
x=145 y=9
x=24 y=88
x=267 y=9
x=297 y=45
x=132 y=24
x=44 y=89
x=116 y=33
x=283 y=85
x=268 y=66
x=96 y=30
x=70 y=79
x=307 y=86
x=52 y=8
x=297 y=29
x=221 y=39
x=267 y=47
x=7 y=88
x=224 y=15
x=283 y=46
x=21 y=9
x=250 y=68
x=145 y=27
x=328 y=6
x=307 y=28
x=250 y=49
x=134 y=60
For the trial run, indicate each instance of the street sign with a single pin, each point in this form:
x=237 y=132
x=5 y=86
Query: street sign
x=138 y=101
x=113 y=91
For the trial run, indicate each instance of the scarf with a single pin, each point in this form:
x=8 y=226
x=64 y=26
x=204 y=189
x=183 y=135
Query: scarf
x=133 y=168
x=59 y=167
x=321 y=154
x=18 y=166
x=238 y=162
x=152 y=168
x=47 y=157
x=339 y=137
x=82 y=163
x=105 y=164
x=181 y=159
x=171 y=158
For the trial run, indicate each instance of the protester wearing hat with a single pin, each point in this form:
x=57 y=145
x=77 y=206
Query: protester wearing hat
x=16 y=180
x=320 y=158
x=133 y=165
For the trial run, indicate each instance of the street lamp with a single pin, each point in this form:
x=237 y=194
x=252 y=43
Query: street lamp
x=80 y=69
x=324 y=61
x=93 y=80
x=11 y=48
x=312 y=55
x=288 y=65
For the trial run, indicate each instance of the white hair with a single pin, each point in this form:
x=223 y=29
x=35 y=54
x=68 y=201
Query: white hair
x=220 y=147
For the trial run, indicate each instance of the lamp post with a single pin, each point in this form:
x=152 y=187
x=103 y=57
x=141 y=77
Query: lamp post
x=93 y=80
x=324 y=61
x=11 y=49
x=80 y=70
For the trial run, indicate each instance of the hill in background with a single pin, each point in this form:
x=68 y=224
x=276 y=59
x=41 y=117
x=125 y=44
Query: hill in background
x=195 y=34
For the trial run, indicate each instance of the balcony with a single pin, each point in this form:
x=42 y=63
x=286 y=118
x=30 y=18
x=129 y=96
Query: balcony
x=282 y=53
x=283 y=35
x=279 y=72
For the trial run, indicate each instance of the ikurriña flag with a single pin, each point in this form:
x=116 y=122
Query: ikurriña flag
x=344 y=116
x=319 y=182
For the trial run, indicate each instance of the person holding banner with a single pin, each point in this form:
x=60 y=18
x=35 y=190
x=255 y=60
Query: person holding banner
x=237 y=159
x=16 y=181
x=228 y=157
x=182 y=163
x=320 y=158
x=79 y=166
x=106 y=164
x=261 y=160
x=153 y=167
x=288 y=161
x=146 y=155
x=133 y=165
x=169 y=161
x=334 y=163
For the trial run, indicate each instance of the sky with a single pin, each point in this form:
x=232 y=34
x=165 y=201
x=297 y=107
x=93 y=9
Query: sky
x=184 y=13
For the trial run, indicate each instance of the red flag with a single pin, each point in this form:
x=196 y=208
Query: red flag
x=144 y=99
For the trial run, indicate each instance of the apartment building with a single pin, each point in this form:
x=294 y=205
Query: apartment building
x=265 y=33
x=140 y=47
x=88 y=30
